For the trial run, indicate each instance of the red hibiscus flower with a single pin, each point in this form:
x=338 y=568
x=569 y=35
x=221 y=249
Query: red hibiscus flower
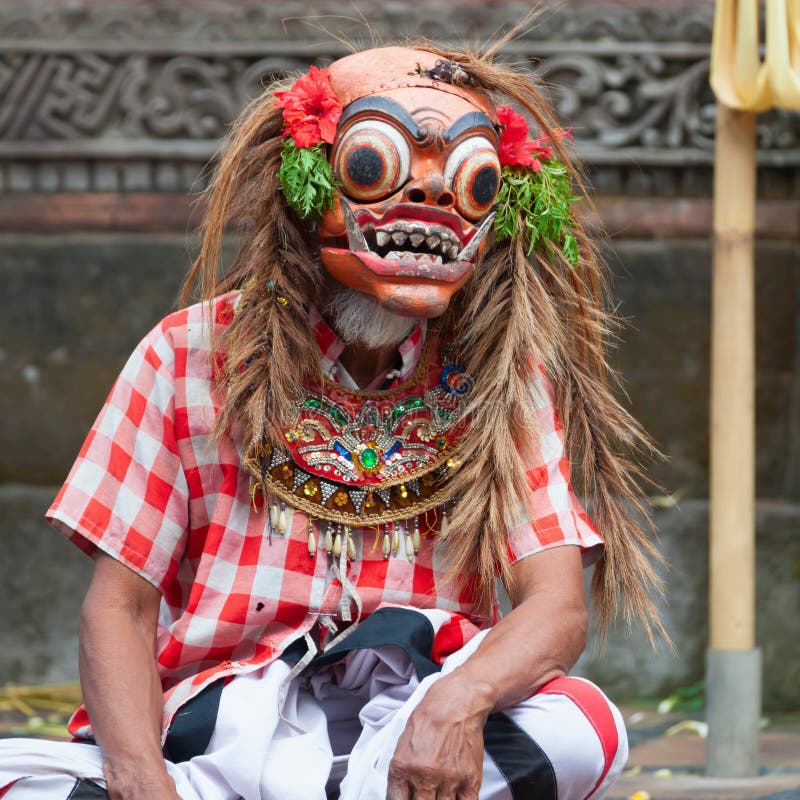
x=516 y=149
x=311 y=110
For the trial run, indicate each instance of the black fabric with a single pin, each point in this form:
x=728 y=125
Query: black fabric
x=193 y=725
x=409 y=630
x=86 y=790
x=524 y=764
x=294 y=652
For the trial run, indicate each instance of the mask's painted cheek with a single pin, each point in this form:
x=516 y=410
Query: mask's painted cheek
x=331 y=224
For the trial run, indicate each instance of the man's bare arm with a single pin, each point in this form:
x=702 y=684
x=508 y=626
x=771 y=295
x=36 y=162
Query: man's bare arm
x=120 y=683
x=440 y=754
x=540 y=639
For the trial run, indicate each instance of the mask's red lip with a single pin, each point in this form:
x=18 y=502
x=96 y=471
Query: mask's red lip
x=411 y=213
x=449 y=272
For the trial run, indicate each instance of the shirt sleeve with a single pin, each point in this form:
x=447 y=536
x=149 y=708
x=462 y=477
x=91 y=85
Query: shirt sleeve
x=127 y=493
x=551 y=515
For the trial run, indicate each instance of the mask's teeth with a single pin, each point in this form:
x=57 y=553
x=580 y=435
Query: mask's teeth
x=355 y=236
x=382 y=238
x=468 y=253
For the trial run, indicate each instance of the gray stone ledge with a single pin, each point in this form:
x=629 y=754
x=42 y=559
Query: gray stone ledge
x=628 y=668
x=43 y=579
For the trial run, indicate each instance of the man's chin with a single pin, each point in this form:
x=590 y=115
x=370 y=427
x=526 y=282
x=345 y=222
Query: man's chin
x=405 y=295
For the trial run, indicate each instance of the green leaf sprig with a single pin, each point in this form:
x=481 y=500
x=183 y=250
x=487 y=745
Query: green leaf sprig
x=541 y=202
x=306 y=179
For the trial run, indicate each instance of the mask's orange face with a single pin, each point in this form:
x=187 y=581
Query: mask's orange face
x=419 y=174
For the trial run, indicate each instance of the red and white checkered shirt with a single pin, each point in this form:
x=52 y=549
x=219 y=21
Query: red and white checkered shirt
x=154 y=489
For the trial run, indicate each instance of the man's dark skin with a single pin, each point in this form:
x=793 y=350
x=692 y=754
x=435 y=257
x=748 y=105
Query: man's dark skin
x=440 y=754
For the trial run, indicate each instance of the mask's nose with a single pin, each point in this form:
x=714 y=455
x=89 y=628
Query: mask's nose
x=429 y=189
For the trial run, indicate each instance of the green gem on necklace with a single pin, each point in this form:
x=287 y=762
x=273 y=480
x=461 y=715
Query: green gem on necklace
x=368 y=458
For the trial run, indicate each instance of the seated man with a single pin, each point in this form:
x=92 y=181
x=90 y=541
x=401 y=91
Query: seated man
x=301 y=491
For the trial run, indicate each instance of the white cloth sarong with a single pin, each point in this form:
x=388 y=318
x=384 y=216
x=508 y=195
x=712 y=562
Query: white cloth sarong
x=343 y=722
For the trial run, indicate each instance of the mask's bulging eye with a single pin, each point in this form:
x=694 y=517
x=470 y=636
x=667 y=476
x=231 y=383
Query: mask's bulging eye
x=371 y=160
x=472 y=172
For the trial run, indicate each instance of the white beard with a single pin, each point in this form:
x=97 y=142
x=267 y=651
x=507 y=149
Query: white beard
x=360 y=320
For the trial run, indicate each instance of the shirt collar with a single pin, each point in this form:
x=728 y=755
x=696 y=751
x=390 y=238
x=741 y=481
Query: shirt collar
x=331 y=348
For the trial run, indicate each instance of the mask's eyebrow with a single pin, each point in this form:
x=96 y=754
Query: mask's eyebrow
x=384 y=106
x=474 y=119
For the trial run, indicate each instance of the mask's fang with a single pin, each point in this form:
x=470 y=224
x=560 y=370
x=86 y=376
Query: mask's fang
x=355 y=236
x=468 y=253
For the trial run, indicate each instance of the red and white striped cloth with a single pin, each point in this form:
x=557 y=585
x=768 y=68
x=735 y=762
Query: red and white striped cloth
x=154 y=489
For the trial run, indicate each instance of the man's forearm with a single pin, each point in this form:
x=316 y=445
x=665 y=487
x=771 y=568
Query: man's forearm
x=123 y=696
x=539 y=640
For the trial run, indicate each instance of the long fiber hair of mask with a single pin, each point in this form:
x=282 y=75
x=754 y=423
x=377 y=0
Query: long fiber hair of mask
x=516 y=315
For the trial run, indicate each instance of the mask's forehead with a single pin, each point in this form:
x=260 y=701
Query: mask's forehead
x=429 y=110
x=385 y=69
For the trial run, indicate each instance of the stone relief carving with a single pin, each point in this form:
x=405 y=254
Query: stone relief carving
x=633 y=99
x=149 y=85
x=251 y=21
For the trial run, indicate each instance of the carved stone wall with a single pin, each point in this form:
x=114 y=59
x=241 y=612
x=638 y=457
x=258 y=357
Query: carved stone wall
x=131 y=97
x=109 y=112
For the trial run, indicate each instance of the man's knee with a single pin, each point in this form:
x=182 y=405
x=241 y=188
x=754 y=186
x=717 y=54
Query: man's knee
x=568 y=742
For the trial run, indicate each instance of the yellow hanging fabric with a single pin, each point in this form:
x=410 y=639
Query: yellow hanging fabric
x=783 y=52
x=739 y=77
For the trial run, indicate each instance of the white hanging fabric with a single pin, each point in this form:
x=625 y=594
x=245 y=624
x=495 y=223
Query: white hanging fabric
x=740 y=77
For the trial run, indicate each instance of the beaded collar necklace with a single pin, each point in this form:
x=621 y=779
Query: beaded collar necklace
x=368 y=458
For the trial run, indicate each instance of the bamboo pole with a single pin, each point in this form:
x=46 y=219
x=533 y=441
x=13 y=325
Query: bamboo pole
x=733 y=385
x=733 y=675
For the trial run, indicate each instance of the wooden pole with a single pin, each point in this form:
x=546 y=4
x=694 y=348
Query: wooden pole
x=733 y=745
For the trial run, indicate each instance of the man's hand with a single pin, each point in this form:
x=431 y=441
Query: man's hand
x=440 y=754
x=124 y=785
